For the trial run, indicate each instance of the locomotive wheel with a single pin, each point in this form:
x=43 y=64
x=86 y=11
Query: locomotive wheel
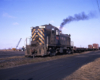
x=69 y=52
x=52 y=52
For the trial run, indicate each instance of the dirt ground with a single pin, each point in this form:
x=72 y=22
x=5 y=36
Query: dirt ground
x=9 y=62
x=4 y=54
x=90 y=71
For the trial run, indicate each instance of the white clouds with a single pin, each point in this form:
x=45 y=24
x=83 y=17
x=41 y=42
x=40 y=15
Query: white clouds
x=7 y=15
x=51 y=21
x=15 y=23
x=57 y=26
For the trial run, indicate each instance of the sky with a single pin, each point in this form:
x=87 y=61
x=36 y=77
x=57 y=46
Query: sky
x=18 y=16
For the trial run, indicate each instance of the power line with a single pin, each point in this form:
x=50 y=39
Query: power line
x=98 y=5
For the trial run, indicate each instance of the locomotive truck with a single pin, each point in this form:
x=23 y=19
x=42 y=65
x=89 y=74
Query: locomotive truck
x=48 y=40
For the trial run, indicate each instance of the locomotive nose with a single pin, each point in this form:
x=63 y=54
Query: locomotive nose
x=37 y=38
x=35 y=42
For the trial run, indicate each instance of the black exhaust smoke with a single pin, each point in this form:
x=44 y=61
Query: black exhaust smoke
x=77 y=17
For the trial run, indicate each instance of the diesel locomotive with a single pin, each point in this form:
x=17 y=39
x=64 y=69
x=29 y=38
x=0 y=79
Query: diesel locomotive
x=48 y=40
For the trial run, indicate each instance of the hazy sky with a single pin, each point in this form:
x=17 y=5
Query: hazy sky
x=18 y=16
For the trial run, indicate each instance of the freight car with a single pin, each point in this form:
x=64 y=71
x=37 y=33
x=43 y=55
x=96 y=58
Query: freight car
x=90 y=47
x=48 y=40
x=79 y=49
x=95 y=46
